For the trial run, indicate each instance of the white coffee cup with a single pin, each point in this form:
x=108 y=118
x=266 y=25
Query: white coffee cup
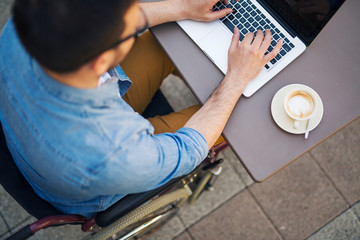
x=300 y=105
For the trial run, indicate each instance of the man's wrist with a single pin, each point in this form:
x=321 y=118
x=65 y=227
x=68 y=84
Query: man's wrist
x=236 y=80
x=176 y=10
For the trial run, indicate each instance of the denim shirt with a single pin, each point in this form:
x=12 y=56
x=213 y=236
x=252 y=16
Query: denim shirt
x=84 y=149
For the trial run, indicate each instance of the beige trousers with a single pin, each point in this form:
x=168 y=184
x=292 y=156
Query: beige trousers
x=147 y=66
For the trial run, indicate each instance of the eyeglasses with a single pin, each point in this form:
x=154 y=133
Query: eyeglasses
x=139 y=31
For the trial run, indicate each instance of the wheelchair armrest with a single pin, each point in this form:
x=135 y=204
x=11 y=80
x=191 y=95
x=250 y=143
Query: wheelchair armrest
x=129 y=203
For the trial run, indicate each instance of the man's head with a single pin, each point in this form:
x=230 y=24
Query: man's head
x=64 y=35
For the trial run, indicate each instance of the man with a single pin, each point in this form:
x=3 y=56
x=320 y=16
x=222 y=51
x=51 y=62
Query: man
x=68 y=111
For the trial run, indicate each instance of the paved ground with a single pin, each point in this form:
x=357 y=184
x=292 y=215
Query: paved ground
x=317 y=197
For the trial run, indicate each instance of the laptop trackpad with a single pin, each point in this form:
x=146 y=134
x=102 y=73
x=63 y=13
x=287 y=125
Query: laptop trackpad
x=216 y=45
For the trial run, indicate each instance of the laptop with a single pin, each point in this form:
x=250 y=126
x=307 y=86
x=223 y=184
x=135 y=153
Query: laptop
x=298 y=22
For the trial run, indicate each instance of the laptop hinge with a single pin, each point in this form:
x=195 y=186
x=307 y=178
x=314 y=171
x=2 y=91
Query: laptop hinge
x=278 y=18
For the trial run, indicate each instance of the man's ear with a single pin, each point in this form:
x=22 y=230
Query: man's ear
x=103 y=62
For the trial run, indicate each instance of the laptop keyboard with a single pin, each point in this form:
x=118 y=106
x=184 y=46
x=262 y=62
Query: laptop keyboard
x=248 y=18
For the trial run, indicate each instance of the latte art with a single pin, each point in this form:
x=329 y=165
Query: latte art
x=300 y=104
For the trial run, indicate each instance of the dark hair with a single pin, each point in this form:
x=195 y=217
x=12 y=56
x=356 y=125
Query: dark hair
x=62 y=35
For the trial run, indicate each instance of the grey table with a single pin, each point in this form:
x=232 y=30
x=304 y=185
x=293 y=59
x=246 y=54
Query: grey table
x=331 y=66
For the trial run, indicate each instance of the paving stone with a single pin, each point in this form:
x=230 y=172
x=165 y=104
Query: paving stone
x=177 y=93
x=228 y=154
x=339 y=156
x=68 y=232
x=299 y=199
x=170 y=230
x=227 y=185
x=240 y=218
x=5 y=8
x=3 y=237
x=356 y=210
x=344 y=227
x=184 y=236
x=11 y=211
x=3 y=227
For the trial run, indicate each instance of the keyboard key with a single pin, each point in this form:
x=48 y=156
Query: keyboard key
x=235 y=22
x=241 y=37
x=232 y=1
x=291 y=45
x=267 y=20
x=258 y=18
x=273 y=61
x=278 y=57
x=246 y=15
x=229 y=25
x=255 y=24
x=253 y=13
x=262 y=23
x=282 y=35
x=238 y=15
x=251 y=29
x=270 y=48
x=272 y=25
x=263 y=16
x=242 y=20
x=267 y=66
x=251 y=19
x=242 y=10
x=282 y=52
x=244 y=31
x=273 y=43
x=276 y=36
x=247 y=25
x=249 y=9
x=244 y=4
x=258 y=11
x=286 y=47
x=240 y=26
x=287 y=40
x=237 y=5
x=277 y=30
x=231 y=17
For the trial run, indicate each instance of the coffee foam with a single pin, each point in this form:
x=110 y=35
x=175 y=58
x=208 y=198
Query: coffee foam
x=300 y=105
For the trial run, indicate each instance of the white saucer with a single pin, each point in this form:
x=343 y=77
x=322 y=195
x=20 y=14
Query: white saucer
x=283 y=120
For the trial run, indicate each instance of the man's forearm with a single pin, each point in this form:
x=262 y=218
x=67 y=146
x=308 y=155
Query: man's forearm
x=161 y=12
x=211 y=119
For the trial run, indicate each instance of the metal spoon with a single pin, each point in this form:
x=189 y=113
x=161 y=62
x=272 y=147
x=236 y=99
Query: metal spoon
x=307 y=130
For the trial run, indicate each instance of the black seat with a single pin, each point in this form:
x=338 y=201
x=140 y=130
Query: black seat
x=16 y=185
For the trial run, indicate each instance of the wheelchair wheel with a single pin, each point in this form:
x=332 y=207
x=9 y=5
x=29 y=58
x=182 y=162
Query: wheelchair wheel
x=148 y=215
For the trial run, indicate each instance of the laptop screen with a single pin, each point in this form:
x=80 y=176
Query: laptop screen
x=306 y=17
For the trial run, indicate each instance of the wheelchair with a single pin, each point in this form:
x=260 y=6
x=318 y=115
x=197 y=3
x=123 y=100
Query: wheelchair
x=133 y=217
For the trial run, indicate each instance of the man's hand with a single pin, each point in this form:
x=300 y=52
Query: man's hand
x=245 y=62
x=174 y=10
x=248 y=58
x=199 y=10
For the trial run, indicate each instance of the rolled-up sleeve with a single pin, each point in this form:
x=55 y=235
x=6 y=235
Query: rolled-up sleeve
x=148 y=161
